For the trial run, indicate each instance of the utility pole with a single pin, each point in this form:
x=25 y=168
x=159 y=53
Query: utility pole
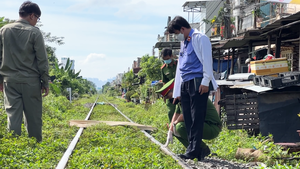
x=153 y=51
x=227 y=20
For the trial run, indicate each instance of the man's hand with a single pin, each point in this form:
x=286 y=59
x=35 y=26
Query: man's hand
x=177 y=98
x=174 y=129
x=203 y=89
x=45 y=91
x=169 y=138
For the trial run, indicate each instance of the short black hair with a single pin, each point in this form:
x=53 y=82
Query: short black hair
x=28 y=8
x=166 y=52
x=177 y=23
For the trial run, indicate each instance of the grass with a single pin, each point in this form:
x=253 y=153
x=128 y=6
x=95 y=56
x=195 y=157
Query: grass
x=100 y=146
x=24 y=152
x=225 y=145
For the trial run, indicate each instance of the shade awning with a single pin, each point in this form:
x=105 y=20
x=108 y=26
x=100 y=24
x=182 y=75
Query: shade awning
x=285 y=1
x=171 y=45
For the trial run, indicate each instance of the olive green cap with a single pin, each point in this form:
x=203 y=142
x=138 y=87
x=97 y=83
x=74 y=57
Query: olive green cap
x=166 y=88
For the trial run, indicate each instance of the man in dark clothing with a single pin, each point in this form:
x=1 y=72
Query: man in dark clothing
x=24 y=71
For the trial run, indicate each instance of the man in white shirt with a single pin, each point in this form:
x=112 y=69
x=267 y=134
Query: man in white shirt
x=194 y=75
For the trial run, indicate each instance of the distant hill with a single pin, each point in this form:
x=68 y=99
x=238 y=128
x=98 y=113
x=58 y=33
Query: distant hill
x=100 y=83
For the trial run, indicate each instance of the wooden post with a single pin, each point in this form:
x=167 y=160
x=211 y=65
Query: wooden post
x=227 y=64
x=278 y=46
x=254 y=19
x=250 y=49
x=269 y=43
x=239 y=63
x=219 y=61
x=232 y=61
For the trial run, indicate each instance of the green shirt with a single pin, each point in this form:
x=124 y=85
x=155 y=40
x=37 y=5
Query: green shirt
x=23 y=56
x=212 y=115
x=168 y=71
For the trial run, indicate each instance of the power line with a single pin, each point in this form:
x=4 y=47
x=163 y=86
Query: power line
x=208 y=17
x=211 y=13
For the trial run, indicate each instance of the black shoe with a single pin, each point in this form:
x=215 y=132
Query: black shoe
x=186 y=156
x=205 y=152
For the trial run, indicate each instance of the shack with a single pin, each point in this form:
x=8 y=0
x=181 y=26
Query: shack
x=266 y=103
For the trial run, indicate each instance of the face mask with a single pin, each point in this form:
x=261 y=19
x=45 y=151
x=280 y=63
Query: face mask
x=168 y=61
x=180 y=37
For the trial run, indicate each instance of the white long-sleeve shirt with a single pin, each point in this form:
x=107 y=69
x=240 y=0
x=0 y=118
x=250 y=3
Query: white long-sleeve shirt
x=202 y=48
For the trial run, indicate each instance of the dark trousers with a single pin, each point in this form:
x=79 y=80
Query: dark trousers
x=194 y=108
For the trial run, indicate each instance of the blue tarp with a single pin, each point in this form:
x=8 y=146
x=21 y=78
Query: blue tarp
x=154 y=82
x=223 y=64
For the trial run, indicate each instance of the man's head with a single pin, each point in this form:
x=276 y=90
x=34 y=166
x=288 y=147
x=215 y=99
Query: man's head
x=169 y=95
x=167 y=56
x=30 y=12
x=167 y=89
x=179 y=26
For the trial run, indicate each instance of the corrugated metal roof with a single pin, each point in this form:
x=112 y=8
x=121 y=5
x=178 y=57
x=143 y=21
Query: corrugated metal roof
x=254 y=35
x=281 y=22
x=198 y=3
x=171 y=45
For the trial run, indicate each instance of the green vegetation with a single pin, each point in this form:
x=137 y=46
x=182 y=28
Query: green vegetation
x=24 y=152
x=100 y=146
x=225 y=145
x=138 y=85
x=65 y=77
x=150 y=68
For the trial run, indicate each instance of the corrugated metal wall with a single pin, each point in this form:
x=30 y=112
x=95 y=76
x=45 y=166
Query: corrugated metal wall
x=212 y=9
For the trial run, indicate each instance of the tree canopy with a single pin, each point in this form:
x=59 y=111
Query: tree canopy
x=150 y=68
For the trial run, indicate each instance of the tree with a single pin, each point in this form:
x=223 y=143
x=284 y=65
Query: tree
x=128 y=80
x=150 y=68
x=4 y=21
x=51 y=50
x=65 y=77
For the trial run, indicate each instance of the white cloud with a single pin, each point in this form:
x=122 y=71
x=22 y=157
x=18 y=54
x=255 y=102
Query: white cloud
x=101 y=66
x=94 y=58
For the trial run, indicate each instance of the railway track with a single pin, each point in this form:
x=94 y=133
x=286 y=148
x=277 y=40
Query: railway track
x=65 y=158
x=213 y=163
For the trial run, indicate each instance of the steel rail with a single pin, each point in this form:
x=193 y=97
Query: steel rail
x=162 y=147
x=64 y=160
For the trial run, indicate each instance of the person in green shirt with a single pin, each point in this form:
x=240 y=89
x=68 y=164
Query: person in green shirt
x=24 y=71
x=168 y=71
x=212 y=123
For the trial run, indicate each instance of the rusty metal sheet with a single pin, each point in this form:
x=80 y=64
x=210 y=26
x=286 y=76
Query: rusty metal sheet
x=88 y=123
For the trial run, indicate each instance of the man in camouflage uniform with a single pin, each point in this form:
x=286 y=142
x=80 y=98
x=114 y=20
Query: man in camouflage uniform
x=211 y=128
x=168 y=71
x=24 y=71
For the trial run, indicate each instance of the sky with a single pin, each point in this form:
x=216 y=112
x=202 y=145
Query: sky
x=104 y=37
